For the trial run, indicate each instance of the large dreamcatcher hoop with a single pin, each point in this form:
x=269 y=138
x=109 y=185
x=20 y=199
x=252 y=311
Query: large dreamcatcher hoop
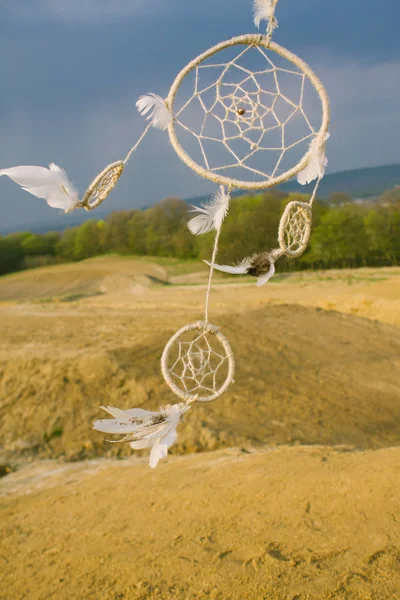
x=248 y=111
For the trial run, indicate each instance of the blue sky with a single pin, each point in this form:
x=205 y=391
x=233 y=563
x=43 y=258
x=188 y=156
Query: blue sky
x=72 y=70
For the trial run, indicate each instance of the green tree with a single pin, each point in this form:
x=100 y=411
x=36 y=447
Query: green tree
x=136 y=228
x=163 y=221
x=66 y=246
x=87 y=241
x=339 y=198
x=340 y=240
x=11 y=253
x=390 y=197
x=115 y=232
x=37 y=245
x=383 y=231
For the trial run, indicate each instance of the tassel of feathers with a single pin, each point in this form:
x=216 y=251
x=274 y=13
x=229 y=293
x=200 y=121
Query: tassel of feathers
x=155 y=110
x=144 y=429
x=259 y=265
x=318 y=161
x=212 y=214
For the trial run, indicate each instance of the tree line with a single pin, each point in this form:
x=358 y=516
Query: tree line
x=345 y=234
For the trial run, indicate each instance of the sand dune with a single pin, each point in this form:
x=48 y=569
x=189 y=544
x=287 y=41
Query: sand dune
x=284 y=489
x=303 y=376
x=294 y=523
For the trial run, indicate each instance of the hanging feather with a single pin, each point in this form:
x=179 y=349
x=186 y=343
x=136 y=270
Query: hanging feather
x=145 y=429
x=154 y=108
x=212 y=214
x=51 y=184
x=318 y=162
x=264 y=10
x=259 y=265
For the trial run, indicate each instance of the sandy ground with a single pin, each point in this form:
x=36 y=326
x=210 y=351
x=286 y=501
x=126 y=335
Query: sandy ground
x=295 y=523
x=286 y=488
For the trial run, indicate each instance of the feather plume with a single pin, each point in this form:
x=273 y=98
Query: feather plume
x=51 y=184
x=317 y=164
x=263 y=11
x=259 y=265
x=263 y=279
x=241 y=269
x=212 y=214
x=154 y=108
x=144 y=429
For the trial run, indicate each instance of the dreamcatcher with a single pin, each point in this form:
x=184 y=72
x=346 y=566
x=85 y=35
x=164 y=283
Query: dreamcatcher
x=240 y=115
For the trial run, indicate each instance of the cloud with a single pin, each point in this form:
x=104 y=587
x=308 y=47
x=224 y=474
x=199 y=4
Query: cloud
x=81 y=11
x=365 y=114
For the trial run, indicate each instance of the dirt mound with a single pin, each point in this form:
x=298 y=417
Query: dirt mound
x=253 y=519
x=80 y=280
x=304 y=376
x=294 y=523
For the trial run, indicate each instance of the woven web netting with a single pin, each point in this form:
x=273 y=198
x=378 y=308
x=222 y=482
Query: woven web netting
x=246 y=117
x=295 y=228
x=104 y=183
x=198 y=362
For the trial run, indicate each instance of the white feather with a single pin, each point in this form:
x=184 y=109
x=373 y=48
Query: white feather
x=51 y=184
x=141 y=429
x=160 y=448
x=125 y=415
x=238 y=270
x=113 y=426
x=263 y=11
x=153 y=107
x=265 y=278
x=317 y=164
x=212 y=214
x=142 y=444
x=243 y=268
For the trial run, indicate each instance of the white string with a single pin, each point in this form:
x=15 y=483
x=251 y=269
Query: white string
x=272 y=23
x=314 y=194
x=136 y=146
x=214 y=256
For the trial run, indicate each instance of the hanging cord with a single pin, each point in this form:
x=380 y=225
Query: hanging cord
x=214 y=256
x=314 y=194
x=136 y=146
x=272 y=22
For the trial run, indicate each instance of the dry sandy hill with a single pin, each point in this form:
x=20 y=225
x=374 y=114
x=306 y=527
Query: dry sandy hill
x=291 y=524
x=296 y=497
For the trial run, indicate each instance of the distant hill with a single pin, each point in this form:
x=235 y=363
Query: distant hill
x=359 y=183
x=59 y=224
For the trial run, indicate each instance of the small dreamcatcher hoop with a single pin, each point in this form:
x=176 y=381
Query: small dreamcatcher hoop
x=195 y=367
x=295 y=228
x=246 y=110
x=102 y=185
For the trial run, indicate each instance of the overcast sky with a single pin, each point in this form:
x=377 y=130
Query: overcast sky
x=72 y=70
